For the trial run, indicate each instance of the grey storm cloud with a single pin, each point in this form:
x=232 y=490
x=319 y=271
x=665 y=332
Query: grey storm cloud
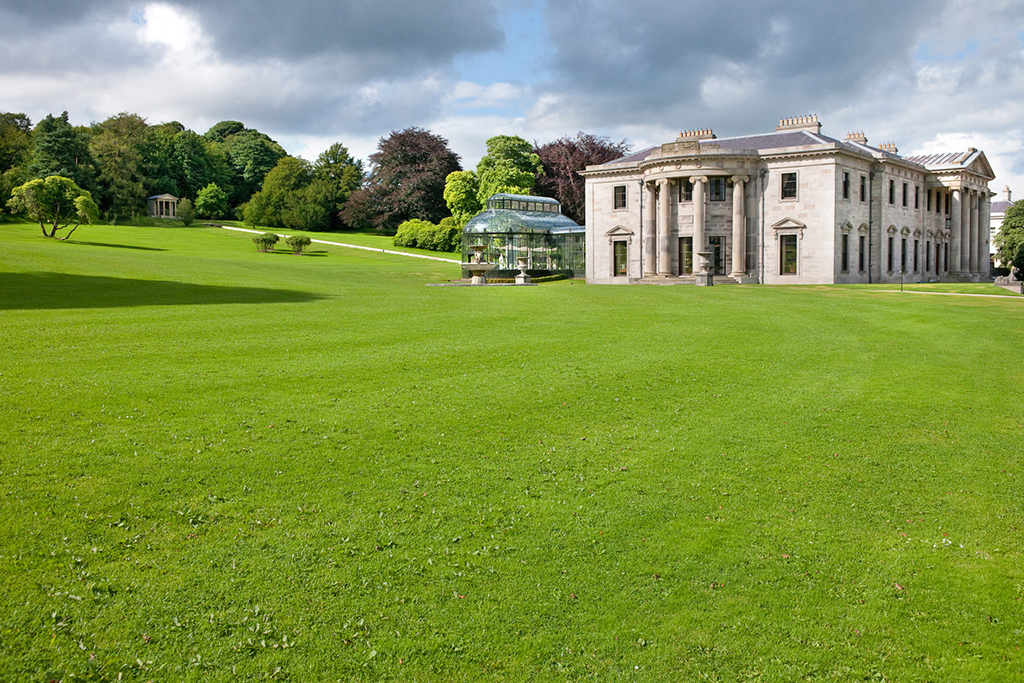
x=645 y=60
x=390 y=36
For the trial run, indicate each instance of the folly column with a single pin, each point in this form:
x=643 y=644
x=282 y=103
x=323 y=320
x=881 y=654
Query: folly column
x=739 y=226
x=953 y=265
x=650 y=236
x=699 y=243
x=665 y=204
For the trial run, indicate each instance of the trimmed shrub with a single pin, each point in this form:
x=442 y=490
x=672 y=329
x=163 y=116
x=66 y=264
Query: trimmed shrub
x=425 y=235
x=298 y=243
x=266 y=241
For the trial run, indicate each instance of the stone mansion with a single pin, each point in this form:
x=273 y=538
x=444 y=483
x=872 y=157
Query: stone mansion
x=789 y=207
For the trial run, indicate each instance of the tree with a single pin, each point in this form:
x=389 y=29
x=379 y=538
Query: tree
x=186 y=212
x=56 y=201
x=283 y=188
x=58 y=148
x=212 y=202
x=461 y=194
x=193 y=164
x=564 y=158
x=407 y=181
x=248 y=154
x=15 y=140
x=1010 y=237
x=336 y=175
x=510 y=165
x=118 y=146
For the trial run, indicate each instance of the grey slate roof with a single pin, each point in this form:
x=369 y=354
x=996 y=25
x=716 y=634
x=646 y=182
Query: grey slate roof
x=1000 y=207
x=944 y=159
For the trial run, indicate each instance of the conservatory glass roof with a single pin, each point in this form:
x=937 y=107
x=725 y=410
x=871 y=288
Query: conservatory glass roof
x=513 y=213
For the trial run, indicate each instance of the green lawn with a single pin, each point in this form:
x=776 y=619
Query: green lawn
x=217 y=464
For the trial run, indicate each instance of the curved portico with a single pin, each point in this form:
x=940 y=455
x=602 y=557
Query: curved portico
x=687 y=198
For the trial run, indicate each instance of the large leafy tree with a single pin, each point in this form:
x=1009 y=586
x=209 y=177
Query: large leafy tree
x=15 y=140
x=15 y=152
x=160 y=166
x=406 y=180
x=461 y=191
x=58 y=148
x=194 y=165
x=211 y=202
x=249 y=155
x=119 y=146
x=1009 y=240
x=510 y=165
x=282 y=191
x=564 y=158
x=55 y=201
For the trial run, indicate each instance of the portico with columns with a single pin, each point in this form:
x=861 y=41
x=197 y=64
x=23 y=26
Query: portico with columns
x=793 y=206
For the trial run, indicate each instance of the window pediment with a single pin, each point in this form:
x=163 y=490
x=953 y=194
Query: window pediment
x=619 y=231
x=789 y=224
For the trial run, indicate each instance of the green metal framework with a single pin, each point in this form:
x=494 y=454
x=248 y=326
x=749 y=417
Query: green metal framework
x=519 y=226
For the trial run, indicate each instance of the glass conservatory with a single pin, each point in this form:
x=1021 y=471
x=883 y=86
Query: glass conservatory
x=518 y=226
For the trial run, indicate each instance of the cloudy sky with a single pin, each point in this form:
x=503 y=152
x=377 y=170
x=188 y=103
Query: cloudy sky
x=929 y=75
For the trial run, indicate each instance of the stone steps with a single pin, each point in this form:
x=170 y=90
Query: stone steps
x=685 y=280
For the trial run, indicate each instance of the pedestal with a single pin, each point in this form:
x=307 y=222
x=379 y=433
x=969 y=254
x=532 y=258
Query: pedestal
x=706 y=279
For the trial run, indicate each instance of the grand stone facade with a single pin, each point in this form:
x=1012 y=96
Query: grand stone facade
x=788 y=207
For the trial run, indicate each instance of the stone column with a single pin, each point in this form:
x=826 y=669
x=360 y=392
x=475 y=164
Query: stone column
x=965 y=230
x=699 y=242
x=664 y=227
x=650 y=235
x=739 y=226
x=984 y=231
x=954 y=232
x=972 y=230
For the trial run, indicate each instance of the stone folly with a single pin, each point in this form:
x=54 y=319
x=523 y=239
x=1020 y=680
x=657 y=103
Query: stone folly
x=789 y=207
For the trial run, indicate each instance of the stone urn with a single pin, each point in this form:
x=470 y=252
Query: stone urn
x=704 y=276
x=522 y=278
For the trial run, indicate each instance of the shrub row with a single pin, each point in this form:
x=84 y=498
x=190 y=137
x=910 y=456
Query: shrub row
x=267 y=240
x=425 y=235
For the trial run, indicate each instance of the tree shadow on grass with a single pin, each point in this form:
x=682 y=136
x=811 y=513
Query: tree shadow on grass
x=115 y=246
x=32 y=291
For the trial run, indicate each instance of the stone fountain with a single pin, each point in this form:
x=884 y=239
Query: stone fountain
x=476 y=265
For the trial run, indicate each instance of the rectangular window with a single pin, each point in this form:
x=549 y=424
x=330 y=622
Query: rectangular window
x=686 y=191
x=917 y=246
x=861 y=253
x=927 y=256
x=846 y=253
x=621 y=262
x=717 y=245
x=945 y=256
x=917 y=196
x=903 y=255
x=863 y=188
x=846 y=185
x=716 y=188
x=904 y=195
x=789 y=185
x=787 y=254
x=947 y=195
x=686 y=255
x=620 y=197
x=890 y=257
x=892 y=192
x=928 y=201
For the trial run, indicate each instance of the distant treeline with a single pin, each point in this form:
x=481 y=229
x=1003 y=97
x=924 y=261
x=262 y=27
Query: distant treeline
x=231 y=171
